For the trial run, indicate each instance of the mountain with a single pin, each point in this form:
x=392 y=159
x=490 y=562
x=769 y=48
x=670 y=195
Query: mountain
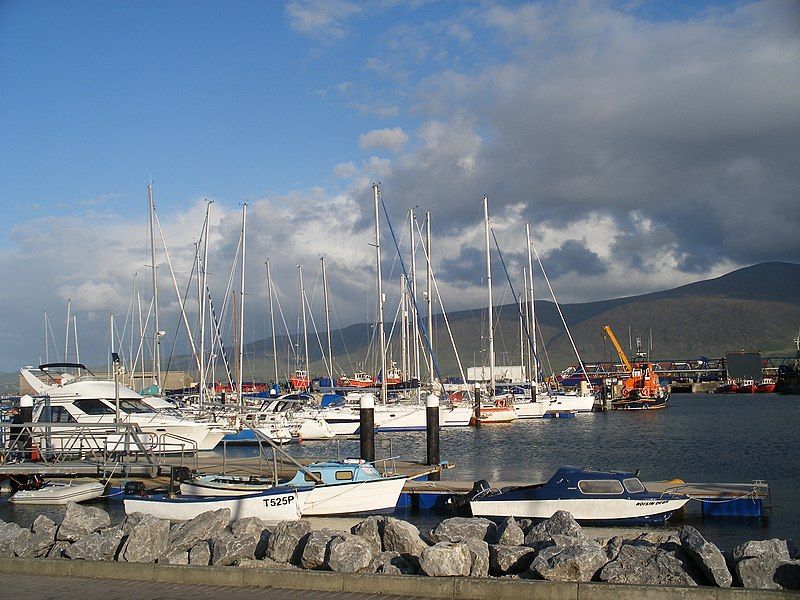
x=754 y=308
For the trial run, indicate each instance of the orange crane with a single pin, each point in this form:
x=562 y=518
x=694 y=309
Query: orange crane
x=640 y=389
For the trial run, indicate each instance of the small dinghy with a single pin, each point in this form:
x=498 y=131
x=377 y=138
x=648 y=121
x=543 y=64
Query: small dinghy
x=60 y=493
x=593 y=496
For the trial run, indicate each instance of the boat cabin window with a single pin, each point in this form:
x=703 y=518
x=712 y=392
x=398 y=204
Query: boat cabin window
x=633 y=485
x=94 y=407
x=134 y=406
x=344 y=475
x=317 y=474
x=59 y=414
x=600 y=486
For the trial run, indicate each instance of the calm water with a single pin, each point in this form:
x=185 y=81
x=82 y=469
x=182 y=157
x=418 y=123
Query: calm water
x=699 y=438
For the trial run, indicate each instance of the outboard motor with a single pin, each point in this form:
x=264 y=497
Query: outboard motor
x=178 y=475
x=134 y=488
x=461 y=501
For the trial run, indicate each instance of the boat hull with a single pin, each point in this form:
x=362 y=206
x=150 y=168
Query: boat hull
x=530 y=410
x=355 y=497
x=569 y=402
x=54 y=493
x=278 y=504
x=594 y=510
x=347 y=421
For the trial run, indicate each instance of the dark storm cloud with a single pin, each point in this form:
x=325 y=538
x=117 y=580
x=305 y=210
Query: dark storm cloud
x=573 y=257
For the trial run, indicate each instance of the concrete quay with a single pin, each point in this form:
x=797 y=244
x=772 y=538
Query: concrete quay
x=69 y=577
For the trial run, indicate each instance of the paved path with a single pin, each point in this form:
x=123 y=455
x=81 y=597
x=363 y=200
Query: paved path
x=35 y=587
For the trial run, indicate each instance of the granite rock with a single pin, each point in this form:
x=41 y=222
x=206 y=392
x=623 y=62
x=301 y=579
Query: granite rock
x=446 y=559
x=80 y=521
x=147 y=541
x=706 y=556
x=287 y=542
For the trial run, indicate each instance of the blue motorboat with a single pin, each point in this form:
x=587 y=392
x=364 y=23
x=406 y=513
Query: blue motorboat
x=590 y=495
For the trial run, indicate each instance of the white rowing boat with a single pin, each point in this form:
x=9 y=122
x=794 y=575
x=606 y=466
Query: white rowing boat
x=59 y=493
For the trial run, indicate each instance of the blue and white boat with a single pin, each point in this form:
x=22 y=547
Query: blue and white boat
x=339 y=487
x=594 y=496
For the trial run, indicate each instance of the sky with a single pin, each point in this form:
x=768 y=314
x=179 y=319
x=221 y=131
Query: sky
x=648 y=144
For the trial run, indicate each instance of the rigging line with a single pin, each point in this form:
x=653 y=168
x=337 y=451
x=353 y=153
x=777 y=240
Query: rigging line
x=178 y=324
x=421 y=325
x=561 y=314
x=217 y=339
x=511 y=285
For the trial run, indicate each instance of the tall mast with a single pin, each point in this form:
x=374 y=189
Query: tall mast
x=489 y=289
x=413 y=304
x=156 y=332
x=305 y=324
x=381 y=334
x=522 y=335
x=111 y=332
x=66 y=337
x=429 y=288
x=532 y=307
x=75 y=331
x=404 y=349
x=272 y=322
x=203 y=284
x=327 y=319
x=44 y=325
x=241 y=308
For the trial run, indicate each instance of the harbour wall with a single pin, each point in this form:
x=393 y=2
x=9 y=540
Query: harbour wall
x=466 y=588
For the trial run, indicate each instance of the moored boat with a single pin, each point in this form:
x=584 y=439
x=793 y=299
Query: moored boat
x=747 y=386
x=60 y=493
x=283 y=503
x=359 y=379
x=499 y=410
x=765 y=386
x=729 y=387
x=594 y=496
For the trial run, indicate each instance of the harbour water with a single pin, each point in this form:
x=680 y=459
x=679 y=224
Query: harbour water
x=700 y=438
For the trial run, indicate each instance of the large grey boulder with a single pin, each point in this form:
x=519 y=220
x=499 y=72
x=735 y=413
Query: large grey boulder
x=647 y=564
x=315 y=552
x=446 y=559
x=460 y=529
x=509 y=533
x=766 y=564
x=350 y=553
x=202 y=528
x=253 y=527
x=80 y=521
x=371 y=529
x=147 y=541
x=391 y=563
x=229 y=547
x=44 y=535
x=479 y=557
x=175 y=557
x=579 y=562
x=12 y=536
x=402 y=537
x=200 y=554
x=706 y=556
x=57 y=550
x=287 y=542
x=560 y=529
x=510 y=560
x=100 y=545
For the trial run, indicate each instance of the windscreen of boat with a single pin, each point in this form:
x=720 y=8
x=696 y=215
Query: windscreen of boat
x=633 y=485
x=135 y=406
x=600 y=486
x=94 y=407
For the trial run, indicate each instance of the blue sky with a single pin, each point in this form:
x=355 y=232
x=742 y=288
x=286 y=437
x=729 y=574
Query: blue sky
x=637 y=136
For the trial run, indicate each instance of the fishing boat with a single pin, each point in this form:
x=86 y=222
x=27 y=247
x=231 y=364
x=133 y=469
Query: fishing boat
x=282 y=503
x=340 y=487
x=593 y=496
x=747 y=386
x=60 y=493
x=765 y=386
x=641 y=388
x=729 y=387
x=360 y=379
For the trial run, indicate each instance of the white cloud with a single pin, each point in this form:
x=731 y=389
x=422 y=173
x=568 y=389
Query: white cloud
x=321 y=19
x=383 y=139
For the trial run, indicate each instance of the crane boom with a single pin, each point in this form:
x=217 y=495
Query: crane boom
x=622 y=356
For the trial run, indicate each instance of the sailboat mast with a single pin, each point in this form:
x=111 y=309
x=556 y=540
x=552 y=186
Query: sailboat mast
x=327 y=319
x=241 y=309
x=413 y=304
x=66 y=337
x=381 y=334
x=44 y=326
x=429 y=288
x=75 y=331
x=305 y=323
x=272 y=323
x=203 y=284
x=156 y=332
x=532 y=307
x=489 y=289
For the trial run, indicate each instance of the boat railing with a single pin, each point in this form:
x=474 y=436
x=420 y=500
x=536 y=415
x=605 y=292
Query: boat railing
x=386 y=466
x=63 y=442
x=174 y=444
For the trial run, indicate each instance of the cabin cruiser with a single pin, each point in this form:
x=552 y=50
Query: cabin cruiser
x=590 y=495
x=87 y=399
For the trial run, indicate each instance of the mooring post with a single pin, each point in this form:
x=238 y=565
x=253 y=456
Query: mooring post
x=432 y=430
x=26 y=412
x=367 y=427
